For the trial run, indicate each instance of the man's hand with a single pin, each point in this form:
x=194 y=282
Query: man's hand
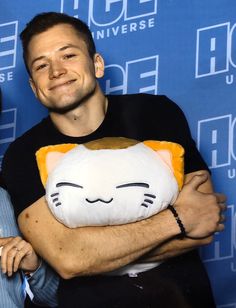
x=205 y=217
x=16 y=254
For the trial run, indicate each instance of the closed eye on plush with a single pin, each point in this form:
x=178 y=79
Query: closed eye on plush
x=68 y=184
x=133 y=184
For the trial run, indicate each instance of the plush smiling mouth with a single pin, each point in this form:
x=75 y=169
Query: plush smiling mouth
x=97 y=200
x=62 y=84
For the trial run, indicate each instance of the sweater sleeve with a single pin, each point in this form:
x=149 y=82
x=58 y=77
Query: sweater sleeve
x=44 y=284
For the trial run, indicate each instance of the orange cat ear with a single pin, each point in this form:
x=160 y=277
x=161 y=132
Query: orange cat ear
x=47 y=158
x=173 y=155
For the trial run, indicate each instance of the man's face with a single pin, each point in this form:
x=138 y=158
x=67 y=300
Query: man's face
x=62 y=72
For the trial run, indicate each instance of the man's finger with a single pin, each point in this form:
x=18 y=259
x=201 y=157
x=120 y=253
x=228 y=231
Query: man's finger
x=221 y=198
x=18 y=258
x=5 y=240
x=220 y=227
x=223 y=207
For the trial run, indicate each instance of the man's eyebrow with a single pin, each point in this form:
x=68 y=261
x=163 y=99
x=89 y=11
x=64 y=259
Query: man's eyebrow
x=68 y=46
x=60 y=49
x=37 y=59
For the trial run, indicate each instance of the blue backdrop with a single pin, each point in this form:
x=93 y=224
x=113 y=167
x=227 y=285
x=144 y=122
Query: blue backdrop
x=184 y=49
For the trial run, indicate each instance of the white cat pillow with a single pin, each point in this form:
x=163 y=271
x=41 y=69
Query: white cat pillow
x=110 y=181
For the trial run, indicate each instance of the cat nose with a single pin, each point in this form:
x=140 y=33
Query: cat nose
x=99 y=200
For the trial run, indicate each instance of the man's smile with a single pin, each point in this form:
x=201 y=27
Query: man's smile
x=62 y=84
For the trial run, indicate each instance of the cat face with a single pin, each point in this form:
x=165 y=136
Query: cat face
x=107 y=187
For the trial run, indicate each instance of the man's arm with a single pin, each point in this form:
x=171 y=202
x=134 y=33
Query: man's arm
x=176 y=246
x=93 y=250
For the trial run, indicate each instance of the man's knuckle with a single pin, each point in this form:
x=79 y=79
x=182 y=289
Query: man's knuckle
x=11 y=254
x=209 y=240
x=212 y=198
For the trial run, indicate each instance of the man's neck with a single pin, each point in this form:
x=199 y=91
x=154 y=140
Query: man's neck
x=83 y=120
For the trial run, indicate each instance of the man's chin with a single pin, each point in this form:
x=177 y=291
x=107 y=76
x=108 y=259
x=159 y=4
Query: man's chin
x=64 y=109
x=69 y=106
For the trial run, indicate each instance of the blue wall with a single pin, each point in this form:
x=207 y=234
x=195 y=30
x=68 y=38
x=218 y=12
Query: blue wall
x=184 y=49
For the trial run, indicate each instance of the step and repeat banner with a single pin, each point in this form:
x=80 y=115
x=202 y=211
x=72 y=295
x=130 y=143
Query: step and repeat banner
x=183 y=49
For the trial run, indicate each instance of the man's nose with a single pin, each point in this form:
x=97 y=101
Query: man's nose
x=56 y=70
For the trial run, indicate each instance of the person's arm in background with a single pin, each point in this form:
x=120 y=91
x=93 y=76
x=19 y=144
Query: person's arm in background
x=11 y=293
x=44 y=284
x=93 y=250
x=18 y=254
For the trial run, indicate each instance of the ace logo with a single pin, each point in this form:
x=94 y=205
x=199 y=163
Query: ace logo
x=216 y=136
x=108 y=18
x=215 y=52
x=7 y=129
x=8 y=44
x=109 y=12
x=137 y=76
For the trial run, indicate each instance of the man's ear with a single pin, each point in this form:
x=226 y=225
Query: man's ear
x=32 y=85
x=98 y=65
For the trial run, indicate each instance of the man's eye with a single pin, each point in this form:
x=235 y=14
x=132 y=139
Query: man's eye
x=40 y=67
x=68 y=56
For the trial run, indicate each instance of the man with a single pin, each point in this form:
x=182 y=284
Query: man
x=63 y=65
x=15 y=255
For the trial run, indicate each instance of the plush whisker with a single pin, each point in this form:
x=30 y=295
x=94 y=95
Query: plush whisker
x=151 y=196
x=148 y=201
x=55 y=194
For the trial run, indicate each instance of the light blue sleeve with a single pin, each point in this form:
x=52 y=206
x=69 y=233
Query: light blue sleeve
x=8 y=225
x=11 y=291
x=44 y=284
x=44 y=281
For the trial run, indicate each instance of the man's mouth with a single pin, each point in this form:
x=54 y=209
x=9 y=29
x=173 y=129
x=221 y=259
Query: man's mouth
x=63 y=84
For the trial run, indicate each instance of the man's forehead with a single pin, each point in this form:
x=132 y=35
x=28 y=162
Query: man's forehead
x=58 y=33
x=55 y=40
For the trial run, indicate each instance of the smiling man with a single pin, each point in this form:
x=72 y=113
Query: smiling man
x=64 y=78
x=64 y=66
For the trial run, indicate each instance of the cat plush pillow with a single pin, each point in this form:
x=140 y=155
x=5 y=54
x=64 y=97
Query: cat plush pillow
x=110 y=181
